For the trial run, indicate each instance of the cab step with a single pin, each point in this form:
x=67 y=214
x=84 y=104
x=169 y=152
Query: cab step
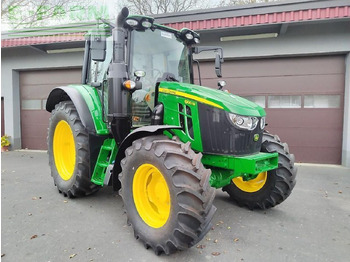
x=104 y=162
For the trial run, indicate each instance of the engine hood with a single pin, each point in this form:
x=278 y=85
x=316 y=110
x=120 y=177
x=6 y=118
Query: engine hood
x=216 y=98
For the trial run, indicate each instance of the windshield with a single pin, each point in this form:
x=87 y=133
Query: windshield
x=158 y=52
x=154 y=52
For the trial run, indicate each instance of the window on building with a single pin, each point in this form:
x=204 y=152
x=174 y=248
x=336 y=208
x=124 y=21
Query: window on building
x=32 y=104
x=44 y=104
x=260 y=100
x=284 y=101
x=322 y=101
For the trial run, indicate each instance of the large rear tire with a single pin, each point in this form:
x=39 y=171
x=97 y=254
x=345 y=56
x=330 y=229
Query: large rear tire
x=270 y=188
x=68 y=151
x=166 y=194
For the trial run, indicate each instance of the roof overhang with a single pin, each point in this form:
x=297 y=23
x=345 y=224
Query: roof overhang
x=235 y=19
x=241 y=20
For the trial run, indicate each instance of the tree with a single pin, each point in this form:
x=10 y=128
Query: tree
x=151 y=7
x=32 y=13
x=243 y=2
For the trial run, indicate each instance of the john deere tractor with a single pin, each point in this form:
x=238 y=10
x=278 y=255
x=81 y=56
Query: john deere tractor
x=138 y=122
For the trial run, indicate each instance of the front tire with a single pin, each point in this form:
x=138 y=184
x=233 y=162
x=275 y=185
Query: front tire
x=270 y=188
x=69 y=157
x=166 y=194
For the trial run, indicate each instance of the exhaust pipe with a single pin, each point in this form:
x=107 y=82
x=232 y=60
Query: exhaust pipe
x=121 y=17
x=119 y=111
x=118 y=54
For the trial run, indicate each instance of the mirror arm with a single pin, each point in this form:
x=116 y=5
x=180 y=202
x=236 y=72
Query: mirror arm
x=199 y=49
x=199 y=71
x=96 y=84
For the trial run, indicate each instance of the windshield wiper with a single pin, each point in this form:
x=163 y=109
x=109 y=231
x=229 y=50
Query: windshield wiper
x=168 y=77
x=172 y=78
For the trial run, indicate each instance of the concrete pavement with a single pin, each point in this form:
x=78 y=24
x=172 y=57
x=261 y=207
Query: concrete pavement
x=39 y=224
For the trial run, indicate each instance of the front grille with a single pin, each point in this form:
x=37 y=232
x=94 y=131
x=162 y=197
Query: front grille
x=219 y=136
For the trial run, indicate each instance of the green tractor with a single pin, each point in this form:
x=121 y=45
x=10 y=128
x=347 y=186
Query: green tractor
x=140 y=124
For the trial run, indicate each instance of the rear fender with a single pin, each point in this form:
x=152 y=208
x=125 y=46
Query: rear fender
x=87 y=102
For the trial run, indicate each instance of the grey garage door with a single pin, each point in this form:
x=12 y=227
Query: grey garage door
x=303 y=98
x=35 y=87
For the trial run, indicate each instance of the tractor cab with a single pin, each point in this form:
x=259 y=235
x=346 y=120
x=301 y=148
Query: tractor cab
x=153 y=53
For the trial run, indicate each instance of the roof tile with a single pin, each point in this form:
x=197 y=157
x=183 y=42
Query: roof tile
x=237 y=21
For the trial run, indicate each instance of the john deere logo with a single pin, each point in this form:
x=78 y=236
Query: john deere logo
x=256 y=137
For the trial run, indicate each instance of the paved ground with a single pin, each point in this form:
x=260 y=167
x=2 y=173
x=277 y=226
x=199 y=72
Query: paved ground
x=38 y=224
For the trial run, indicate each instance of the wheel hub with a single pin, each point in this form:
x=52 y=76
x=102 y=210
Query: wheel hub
x=64 y=150
x=252 y=185
x=151 y=195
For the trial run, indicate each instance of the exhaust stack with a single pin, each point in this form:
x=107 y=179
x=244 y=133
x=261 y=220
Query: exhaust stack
x=119 y=112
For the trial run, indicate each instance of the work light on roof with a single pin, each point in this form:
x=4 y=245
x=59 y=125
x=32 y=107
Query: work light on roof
x=146 y=24
x=132 y=22
x=189 y=36
x=139 y=23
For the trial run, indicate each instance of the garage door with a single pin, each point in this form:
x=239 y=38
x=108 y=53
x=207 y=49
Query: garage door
x=303 y=98
x=35 y=87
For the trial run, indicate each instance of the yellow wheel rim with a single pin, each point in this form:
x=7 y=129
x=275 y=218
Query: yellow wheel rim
x=252 y=185
x=151 y=195
x=64 y=150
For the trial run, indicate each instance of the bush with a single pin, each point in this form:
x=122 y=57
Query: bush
x=5 y=140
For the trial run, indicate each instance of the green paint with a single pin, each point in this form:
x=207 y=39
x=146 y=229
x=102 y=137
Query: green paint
x=172 y=117
x=225 y=168
x=105 y=158
x=229 y=102
x=93 y=102
x=190 y=96
x=220 y=177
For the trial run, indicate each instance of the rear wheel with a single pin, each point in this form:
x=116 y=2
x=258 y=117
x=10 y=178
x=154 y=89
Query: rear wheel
x=68 y=152
x=166 y=194
x=270 y=188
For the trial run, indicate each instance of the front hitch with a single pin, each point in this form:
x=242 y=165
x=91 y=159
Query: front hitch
x=225 y=168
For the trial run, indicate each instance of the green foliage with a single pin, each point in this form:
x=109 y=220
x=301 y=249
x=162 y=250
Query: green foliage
x=5 y=140
x=27 y=13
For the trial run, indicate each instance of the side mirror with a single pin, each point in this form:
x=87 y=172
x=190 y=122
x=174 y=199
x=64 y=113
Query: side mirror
x=139 y=74
x=98 y=46
x=218 y=65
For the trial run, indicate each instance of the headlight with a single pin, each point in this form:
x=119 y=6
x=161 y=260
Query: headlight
x=244 y=122
x=262 y=123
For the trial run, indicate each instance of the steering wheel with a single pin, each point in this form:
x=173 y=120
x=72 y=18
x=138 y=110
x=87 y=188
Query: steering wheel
x=157 y=72
x=153 y=75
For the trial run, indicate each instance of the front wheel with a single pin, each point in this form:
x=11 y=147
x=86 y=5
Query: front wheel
x=166 y=194
x=270 y=188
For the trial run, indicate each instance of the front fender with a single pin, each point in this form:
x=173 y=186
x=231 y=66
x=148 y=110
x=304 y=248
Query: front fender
x=87 y=102
x=134 y=135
